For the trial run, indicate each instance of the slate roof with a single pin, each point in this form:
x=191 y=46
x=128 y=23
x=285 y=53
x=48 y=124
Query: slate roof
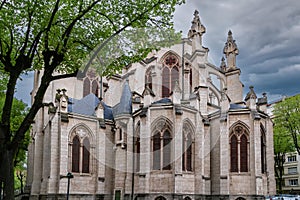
x=84 y=106
x=237 y=106
x=164 y=100
x=125 y=105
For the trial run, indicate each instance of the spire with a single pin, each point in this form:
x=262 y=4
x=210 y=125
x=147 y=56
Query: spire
x=231 y=51
x=196 y=31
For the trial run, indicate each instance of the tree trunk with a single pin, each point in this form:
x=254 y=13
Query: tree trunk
x=8 y=174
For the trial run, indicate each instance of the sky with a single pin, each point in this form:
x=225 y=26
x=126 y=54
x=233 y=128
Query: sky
x=267 y=33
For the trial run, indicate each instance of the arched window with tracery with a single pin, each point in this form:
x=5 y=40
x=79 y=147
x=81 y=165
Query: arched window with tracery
x=170 y=74
x=239 y=153
x=234 y=154
x=161 y=148
x=187 y=149
x=263 y=149
x=167 y=150
x=80 y=151
x=86 y=156
x=91 y=84
x=75 y=154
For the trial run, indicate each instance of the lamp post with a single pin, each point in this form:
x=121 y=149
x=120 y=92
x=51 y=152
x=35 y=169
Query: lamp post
x=69 y=176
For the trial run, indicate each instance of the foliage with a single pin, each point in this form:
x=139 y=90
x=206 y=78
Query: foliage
x=57 y=36
x=283 y=144
x=287 y=120
x=286 y=133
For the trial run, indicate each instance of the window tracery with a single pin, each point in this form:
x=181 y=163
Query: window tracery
x=91 y=83
x=170 y=74
x=161 y=147
x=239 y=153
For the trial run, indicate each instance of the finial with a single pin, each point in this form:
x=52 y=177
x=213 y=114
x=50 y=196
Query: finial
x=223 y=64
x=230 y=50
x=197 y=27
x=196 y=12
x=251 y=94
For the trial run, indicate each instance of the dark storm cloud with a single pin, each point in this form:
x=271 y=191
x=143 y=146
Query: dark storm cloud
x=267 y=33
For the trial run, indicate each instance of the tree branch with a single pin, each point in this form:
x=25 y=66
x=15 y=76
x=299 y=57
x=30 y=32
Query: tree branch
x=50 y=23
x=30 y=13
x=2 y=4
x=66 y=34
x=94 y=55
x=110 y=20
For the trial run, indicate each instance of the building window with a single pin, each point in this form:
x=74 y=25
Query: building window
x=234 y=154
x=239 y=150
x=191 y=81
x=91 y=84
x=187 y=149
x=161 y=146
x=148 y=78
x=86 y=156
x=292 y=170
x=292 y=158
x=137 y=149
x=293 y=182
x=170 y=74
x=80 y=155
x=118 y=194
x=75 y=154
x=263 y=150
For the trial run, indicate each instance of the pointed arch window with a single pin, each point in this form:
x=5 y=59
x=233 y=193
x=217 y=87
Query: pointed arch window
x=75 y=154
x=263 y=150
x=86 y=156
x=187 y=148
x=239 y=153
x=91 y=84
x=244 y=154
x=161 y=147
x=170 y=74
x=234 y=153
x=80 y=155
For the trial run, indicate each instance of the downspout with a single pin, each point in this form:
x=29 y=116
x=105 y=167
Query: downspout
x=133 y=159
x=182 y=69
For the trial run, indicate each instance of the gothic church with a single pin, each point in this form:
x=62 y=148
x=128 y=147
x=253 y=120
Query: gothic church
x=172 y=126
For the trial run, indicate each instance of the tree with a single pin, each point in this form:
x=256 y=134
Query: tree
x=56 y=36
x=287 y=118
x=286 y=132
x=19 y=111
x=282 y=144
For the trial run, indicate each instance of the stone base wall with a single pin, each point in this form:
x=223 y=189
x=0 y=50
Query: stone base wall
x=145 y=197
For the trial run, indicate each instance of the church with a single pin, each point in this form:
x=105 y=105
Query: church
x=172 y=126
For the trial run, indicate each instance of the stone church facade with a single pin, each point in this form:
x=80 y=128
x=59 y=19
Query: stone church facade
x=172 y=126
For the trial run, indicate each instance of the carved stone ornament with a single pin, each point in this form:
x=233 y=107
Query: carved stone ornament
x=81 y=132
